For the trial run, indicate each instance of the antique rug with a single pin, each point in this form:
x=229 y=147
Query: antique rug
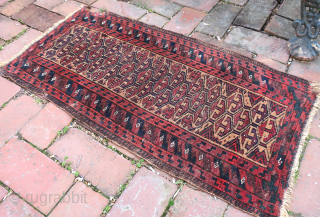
x=222 y=122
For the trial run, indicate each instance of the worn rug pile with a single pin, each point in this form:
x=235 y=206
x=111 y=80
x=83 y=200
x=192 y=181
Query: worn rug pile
x=222 y=122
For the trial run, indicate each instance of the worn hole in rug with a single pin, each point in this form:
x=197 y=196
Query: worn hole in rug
x=224 y=123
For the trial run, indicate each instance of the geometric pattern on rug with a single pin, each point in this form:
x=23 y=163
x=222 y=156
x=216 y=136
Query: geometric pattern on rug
x=222 y=122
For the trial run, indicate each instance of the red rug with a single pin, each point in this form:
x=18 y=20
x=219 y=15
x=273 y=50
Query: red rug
x=225 y=123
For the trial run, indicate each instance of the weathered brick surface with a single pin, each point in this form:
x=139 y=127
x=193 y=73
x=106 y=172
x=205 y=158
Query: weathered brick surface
x=163 y=7
x=306 y=197
x=146 y=195
x=234 y=212
x=218 y=20
x=15 y=47
x=255 y=13
x=185 y=21
x=13 y=206
x=191 y=203
x=3 y=192
x=281 y=27
x=154 y=19
x=99 y=165
x=290 y=9
x=14 y=7
x=259 y=43
x=67 y=7
x=88 y=2
x=9 y=28
x=80 y=201
x=37 y=17
x=121 y=8
x=309 y=71
x=201 y=5
x=271 y=63
x=222 y=44
x=3 y=2
x=33 y=175
x=7 y=90
x=48 y=4
x=238 y=2
x=15 y=115
x=43 y=128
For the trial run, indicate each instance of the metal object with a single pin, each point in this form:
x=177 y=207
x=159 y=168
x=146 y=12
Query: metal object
x=304 y=45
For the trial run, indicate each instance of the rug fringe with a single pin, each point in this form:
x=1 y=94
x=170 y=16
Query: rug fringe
x=38 y=38
x=315 y=86
x=287 y=194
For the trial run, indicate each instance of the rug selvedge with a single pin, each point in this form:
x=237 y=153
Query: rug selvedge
x=254 y=186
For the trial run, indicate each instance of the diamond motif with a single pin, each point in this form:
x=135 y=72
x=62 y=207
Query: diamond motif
x=186 y=151
x=216 y=164
x=201 y=157
x=243 y=180
x=105 y=108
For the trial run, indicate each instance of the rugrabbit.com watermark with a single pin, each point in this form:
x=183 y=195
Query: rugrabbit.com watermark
x=44 y=199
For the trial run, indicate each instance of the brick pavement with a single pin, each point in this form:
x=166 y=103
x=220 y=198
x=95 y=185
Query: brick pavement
x=38 y=156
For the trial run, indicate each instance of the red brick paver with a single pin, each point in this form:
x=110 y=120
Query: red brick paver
x=15 y=115
x=309 y=71
x=33 y=175
x=15 y=47
x=124 y=151
x=164 y=7
x=67 y=7
x=99 y=165
x=190 y=203
x=259 y=43
x=14 y=6
x=277 y=26
x=9 y=28
x=13 y=206
x=121 y=8
x=290 y=9
x=219 y=19
x=88 y=2
x=3 y=192
x=238 y=2
x=185 y=21
x=80 y=201
x=221 y=44
x=37 y=17
x=146 y=195
x=255 y=14
x=3 y=1
x=202 y=5
x=154 y=19
x=48 y=4
x=234 y=212
x=43 y=128
x=7 y=90
x=271 y=63
x=306 y=197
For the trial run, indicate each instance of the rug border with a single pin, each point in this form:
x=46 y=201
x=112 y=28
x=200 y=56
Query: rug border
x=315 y=107
x=286 y=202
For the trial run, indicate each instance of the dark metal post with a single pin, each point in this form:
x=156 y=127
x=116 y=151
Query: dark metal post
x=304 y=45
